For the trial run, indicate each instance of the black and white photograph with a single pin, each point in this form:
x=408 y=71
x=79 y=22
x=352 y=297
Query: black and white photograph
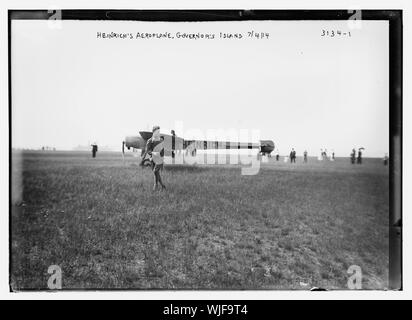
x=205 y=150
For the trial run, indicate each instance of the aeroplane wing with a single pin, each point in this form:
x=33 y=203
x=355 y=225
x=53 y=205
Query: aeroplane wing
x=172 y=143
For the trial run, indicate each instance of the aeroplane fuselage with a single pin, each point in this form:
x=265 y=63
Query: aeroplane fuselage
x=175 y=143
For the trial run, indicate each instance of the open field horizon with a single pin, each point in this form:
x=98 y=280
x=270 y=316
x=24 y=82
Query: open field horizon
x=201 y=152
x=291 y=226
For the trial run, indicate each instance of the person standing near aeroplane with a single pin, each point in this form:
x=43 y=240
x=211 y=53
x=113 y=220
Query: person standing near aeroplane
x=155 y=149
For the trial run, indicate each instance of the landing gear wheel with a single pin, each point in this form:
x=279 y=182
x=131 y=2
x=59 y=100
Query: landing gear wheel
x=145 y=163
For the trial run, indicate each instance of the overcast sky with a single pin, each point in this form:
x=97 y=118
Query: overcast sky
x=298 y=88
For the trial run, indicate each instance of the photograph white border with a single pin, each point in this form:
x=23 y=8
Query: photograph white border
x=5 y=293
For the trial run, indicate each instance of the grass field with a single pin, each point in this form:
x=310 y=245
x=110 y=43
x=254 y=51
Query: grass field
x=292 y=226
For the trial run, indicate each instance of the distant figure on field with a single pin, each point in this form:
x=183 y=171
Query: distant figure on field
x=353 y=156
x=277 y=155
x=173 y=146
x=305 y=156
x=385 y=159
x=155 y=149
x=359 y=159
x=333 y=155
x=293 y=156
x=323 y=154
x=94 y=150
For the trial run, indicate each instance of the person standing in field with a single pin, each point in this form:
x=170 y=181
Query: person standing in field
x=94 y=150
x=320 y=157
x=155 y=150
x=305 y=156
x=385 y=159
x=352 y=156
x=293 y=156
x=359 y=160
